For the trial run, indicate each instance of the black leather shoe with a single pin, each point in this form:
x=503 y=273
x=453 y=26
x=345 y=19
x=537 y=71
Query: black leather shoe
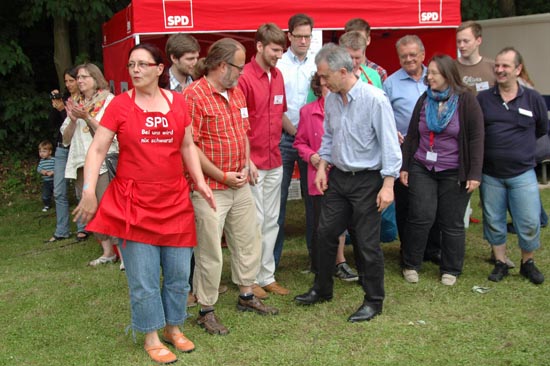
x=364 y=314
x=311 y=297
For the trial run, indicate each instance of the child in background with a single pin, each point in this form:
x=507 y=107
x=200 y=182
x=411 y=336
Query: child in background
x=45 y=169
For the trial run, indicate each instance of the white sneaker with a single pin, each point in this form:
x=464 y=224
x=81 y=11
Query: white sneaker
x=102 y=260
x=448 y=279
x=411 y=276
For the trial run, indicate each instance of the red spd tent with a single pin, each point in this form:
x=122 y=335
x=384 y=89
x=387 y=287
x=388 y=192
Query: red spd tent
x=434 y=21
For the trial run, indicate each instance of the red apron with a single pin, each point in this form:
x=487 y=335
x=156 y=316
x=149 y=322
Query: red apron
x=149 y=201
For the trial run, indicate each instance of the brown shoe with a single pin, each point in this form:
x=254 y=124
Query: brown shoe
x=222 y=289
x=275 y=288
x=212 y=324
x=259 y=292
x=257 y=306
x=191 y=300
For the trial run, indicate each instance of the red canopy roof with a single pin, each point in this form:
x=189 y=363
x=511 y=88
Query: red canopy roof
x=172 y=16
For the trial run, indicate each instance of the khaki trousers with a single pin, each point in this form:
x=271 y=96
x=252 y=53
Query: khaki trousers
x=236 y=216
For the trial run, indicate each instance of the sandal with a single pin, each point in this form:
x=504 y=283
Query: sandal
x=55 y=238
x=102 y=260
x=82 y=236
x=155 y=353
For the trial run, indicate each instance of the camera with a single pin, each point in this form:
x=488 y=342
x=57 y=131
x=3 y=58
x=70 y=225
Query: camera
x=55 y=96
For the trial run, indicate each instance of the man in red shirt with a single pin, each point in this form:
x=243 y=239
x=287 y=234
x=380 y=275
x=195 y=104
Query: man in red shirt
x=263 y=86
x=220 y=124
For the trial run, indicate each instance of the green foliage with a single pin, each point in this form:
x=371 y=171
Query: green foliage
x=23 y=118
x=488 y=9
x=18 y=178
x=11 y=56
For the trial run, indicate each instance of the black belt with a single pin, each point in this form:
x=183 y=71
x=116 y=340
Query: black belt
x=356 y=172
x=60 y=144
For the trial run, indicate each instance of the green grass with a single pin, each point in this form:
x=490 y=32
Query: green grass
x=54 y=310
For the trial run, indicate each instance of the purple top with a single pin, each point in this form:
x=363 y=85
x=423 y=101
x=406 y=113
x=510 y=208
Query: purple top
x=445 y=144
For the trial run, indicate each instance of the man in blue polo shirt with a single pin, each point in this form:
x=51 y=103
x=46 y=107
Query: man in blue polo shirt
x=514 y=118
x=403 y=88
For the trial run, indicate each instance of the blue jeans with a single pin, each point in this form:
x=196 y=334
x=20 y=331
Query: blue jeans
x=62 y=227
x=152 y=305
x=60 y=183
x=435 y=196
x=290 y=155
x=519 y=194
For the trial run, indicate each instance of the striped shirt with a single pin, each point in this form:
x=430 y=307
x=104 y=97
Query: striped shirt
x=219 y=126
x=46 y=164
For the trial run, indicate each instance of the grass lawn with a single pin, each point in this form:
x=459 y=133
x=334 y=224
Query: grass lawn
x=54 y=310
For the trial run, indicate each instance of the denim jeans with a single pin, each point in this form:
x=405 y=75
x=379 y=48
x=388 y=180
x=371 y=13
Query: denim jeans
x=60 y=183
x=435 y=196
x=519 y=194
x=62 y=227
x=290 y=155
x=152 y=305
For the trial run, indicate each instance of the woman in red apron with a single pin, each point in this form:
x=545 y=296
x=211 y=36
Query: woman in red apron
x=148 y=205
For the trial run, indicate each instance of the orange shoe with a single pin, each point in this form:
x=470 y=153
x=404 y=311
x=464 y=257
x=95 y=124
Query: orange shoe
x=259 y=292
x=179 y=341
x=156 y=353
x=275 y=288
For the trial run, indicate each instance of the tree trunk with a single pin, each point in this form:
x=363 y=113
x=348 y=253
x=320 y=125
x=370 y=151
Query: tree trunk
x=61 y=48
x=507 y=8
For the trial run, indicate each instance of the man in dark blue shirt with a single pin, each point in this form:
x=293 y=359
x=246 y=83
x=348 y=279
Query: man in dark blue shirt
x=514 y=118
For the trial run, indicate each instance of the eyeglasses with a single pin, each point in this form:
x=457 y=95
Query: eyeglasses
x=305 y=37
x=405 y=56
x=82 y=77
x=142 y=65
x=240 y=68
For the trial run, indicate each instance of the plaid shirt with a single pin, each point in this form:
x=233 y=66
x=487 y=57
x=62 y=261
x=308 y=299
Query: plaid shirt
x=379 y=69
x=175 y=85
x=219 y=128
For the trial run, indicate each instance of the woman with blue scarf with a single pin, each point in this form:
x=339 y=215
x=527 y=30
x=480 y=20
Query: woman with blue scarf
x=442 y=161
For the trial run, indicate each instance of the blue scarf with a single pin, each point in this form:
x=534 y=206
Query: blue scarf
x=436 y=121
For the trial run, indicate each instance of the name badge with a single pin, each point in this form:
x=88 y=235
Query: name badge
x=431 y=156
x=484 y=85
x=525 y=112
x=244 y=112
x=278 y=99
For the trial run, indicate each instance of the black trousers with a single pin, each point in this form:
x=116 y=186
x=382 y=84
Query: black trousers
x=436 y=196
x=350 y=202
x=401 y=196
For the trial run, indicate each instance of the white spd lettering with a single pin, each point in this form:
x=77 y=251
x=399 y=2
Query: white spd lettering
x=178 y=20
x=156 y=121
x=429 y=16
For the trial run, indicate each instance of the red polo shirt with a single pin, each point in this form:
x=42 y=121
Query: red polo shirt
x=266 y=103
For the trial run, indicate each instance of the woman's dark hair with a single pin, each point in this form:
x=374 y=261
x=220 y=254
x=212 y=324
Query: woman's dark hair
x=71 y=71
x=447 y=68
x=316 y=85
x=156 y=54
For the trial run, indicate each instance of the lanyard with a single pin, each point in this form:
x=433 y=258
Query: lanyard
x=432 y=138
